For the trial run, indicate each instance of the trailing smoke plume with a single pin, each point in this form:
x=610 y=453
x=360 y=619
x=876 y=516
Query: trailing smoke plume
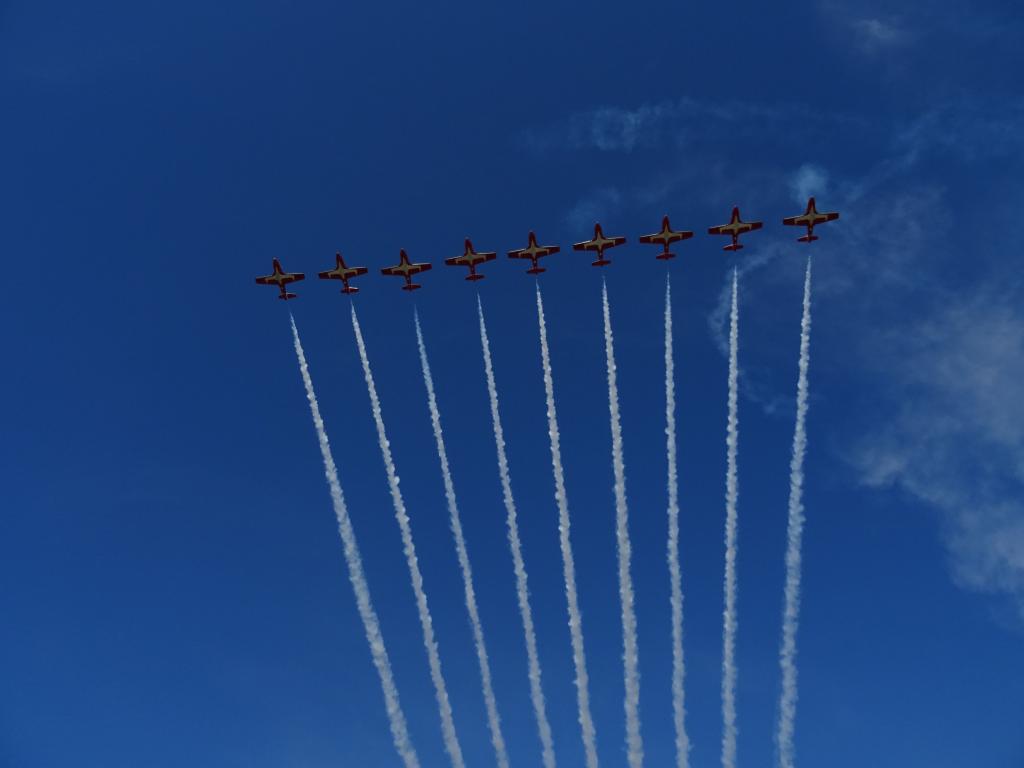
x=795 y=529
x=493 y=720
x=630 y=657
x=731 y=495
x=675 y=575
x=522 y=589
x=396 y=718
x=569 y=568
x=451 y=741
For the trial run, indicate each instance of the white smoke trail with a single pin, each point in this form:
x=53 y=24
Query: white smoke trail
x=676 y=596
x=399 y=731
x=451 y=741
x=791 y=610
x=569 y=568
x=630 y=654
x=522 y=589
x=731 y=495
x=493 y=720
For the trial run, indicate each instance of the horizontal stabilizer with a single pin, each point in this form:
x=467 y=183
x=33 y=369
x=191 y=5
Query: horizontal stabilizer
x=411 y=287
x=536 y=270
x=732 y=247
x=286 y=296
x=350 y=289
x=475 y=276
x=600 y=263
x=807 y=239
x=666 y=256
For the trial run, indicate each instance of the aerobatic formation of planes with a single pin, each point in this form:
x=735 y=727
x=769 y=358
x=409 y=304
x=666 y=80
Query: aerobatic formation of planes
x=598 y=245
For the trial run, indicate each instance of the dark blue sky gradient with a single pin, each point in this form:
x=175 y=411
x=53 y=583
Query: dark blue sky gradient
x=172 y=588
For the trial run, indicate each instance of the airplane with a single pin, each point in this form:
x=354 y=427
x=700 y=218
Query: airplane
x=533 y=252
x=343 y=273
x=666 y=237
x=280 y=278
x=470 y=259
x=809 y=219
x=406 y=269
x=599 y=243
x=734 y=228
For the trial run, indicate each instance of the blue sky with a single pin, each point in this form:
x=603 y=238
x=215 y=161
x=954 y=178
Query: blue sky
x=172 y=586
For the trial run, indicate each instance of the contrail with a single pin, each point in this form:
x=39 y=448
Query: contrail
x=575 y=620
x=676 y=597
x=731 y=494
x=399 y=731
x=451 y=740
x=791 y=611
x=522 y=589
x=630 y=655
x=493 y=720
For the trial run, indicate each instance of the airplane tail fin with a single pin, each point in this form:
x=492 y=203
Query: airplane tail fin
x=411 y=287
x=807 y=238
x=474 y=277
x=600 y=262
x=285 y=296
x=350 y=289
x=666 y=255
x=732 y=247
x=536 y=270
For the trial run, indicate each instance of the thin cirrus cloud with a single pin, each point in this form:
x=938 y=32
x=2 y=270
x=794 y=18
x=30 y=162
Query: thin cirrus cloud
x=940 y=351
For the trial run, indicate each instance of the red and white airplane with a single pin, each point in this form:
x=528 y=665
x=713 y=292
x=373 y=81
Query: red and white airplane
x=533 y=252
x=666 y=237
x=809 y=219
x=343 y=273
x=471 y=258
x=599 y=243
x=280 y=278
x=734 y=228
x=406 y=269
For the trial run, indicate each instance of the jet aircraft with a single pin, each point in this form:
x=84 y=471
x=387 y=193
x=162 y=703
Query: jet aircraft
x=343 y=273
x=471 y=258
x=533 y=252
x=809 y=219
x=734 y=228
x=280 y=278
x=406 y=269
x=666 y=237
x=599 y=243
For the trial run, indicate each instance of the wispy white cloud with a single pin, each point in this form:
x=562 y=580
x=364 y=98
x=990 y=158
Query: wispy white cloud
x=806 y=181
x=942 y=357
x=874 y=34
x=956 y=439
x=596 y=206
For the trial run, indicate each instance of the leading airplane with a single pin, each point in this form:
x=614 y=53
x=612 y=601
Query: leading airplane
x=471 y=258
x=599 y=243
x=734 y=228
x=809 y=219
x=405 y=268
x=280 y=278
x=666 y=237
x=533 y=252
x=344 y=273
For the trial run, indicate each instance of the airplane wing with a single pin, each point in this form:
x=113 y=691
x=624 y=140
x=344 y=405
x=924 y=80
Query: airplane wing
x=616 y=241
x=793 y=221
x=458 y=261
x=586 y=245
x=417 y=268
x=358 y=271
x=390 y=271
x=264 y=280
x=520 y=253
